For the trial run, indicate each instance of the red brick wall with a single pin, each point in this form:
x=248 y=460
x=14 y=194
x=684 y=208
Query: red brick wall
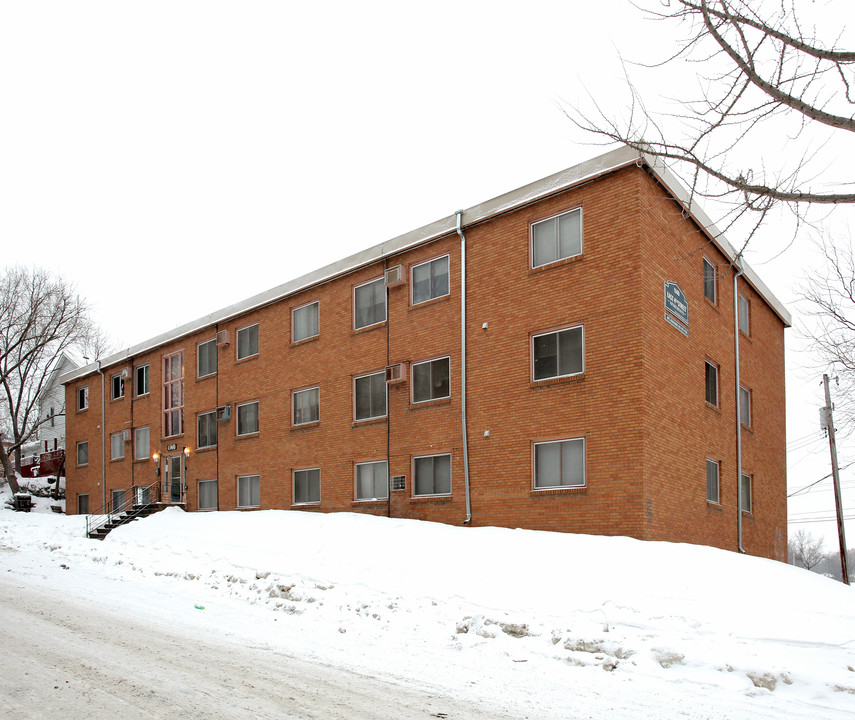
x=639 y=404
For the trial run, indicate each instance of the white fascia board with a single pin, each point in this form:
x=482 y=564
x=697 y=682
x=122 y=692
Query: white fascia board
x=578 y=174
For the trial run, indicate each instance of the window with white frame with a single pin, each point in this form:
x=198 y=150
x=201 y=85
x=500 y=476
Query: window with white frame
x=247 y=342
x=431 y=380
x=117 y=446
x=556 y=238
x=305 y=322
x=430 y=280
x=432 y=475
x=249 y=491
x=745 y=491
x=712 y=481
x=307 y=486
x=558 y=354
x=142 y=443
x=306 y=406
x=369 y=303
x=206 y=358
x=372 y=481
x=369 y=392
x=206 y=430
x=173 y=394
x=117 y=387
x=711 y=383
x=559 y=463
x=745 y=406
x=709 y=281
x=744 y=315
x=83 y=452
x=141 y=380
x=208 y=499
x=83 y=397
x=247 y=418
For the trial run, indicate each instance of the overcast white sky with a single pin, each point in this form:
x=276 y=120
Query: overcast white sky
x=139 y=141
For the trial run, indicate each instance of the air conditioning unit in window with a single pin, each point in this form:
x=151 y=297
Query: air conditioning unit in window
x=395 y=276
x=124 y=374
x=126 y=435
x=223 y=337
x=398 y=482
x=396 y=373
x=224 y=412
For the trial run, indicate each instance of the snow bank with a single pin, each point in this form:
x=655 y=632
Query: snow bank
x=546 y=624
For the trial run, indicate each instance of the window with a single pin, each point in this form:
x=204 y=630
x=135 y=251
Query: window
x=83 y=453
x=557 y=238
x=307 y=486
x=712 y=481
x=306 y=406
x=51 y=416
x=208 y=499
x=173 y=394
x=431 y=380
x=117 y=387
x=118 y=497
x=83 y=504
x=432 y=475
x=247 y=341
x=711 y=383
x=558 y=354
x=369 y=393
x=206 y=430
x=141 y=380
x=141 y=443
x=247 y=418
x=430 y=280
x=83 y=397
x=745 y=406
x=305 y=322
x=559 y=464
x=369 y=303
x=744 y=315
x=117 y=446
x=206 y=358
x=709 y=281
x=745 y=490
x=249 y=491
x=372 y=481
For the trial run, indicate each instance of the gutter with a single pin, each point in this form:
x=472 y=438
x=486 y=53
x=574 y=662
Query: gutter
x=463 y=365
x=741 y=269
x=103 y=440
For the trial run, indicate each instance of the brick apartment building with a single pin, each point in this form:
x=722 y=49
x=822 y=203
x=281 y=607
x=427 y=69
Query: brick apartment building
x=599 y=392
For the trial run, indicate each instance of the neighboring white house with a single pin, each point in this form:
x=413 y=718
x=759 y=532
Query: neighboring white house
x=52 y=405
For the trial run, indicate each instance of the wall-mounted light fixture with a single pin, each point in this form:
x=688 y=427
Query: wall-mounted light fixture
x=156 y=460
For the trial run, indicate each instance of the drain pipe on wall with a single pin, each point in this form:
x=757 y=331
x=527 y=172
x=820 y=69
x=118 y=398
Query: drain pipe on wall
x=740 y=270
x=463 y=365
x=103 y=449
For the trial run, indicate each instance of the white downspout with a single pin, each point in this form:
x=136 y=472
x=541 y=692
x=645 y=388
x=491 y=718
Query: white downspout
x=103 y=440
x=740 y=270
x=463 y=365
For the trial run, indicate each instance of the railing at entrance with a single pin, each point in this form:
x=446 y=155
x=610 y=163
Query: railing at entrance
x=115 y=512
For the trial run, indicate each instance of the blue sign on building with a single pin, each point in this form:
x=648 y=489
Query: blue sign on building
x=676 y=303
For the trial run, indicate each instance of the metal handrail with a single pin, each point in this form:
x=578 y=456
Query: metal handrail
x=108 y=512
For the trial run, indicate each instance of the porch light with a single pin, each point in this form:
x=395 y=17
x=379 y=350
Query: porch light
x=156 y=460
x=186 y=452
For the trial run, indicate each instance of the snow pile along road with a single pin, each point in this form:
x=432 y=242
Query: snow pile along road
x=537 y=624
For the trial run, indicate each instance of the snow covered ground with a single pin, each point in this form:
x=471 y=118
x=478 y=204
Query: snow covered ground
x=532 y=624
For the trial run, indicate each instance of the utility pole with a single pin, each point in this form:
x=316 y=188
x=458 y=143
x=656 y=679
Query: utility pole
x=835 y=474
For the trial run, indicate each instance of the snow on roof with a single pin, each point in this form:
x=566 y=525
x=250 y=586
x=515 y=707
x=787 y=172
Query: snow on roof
x=578 y=174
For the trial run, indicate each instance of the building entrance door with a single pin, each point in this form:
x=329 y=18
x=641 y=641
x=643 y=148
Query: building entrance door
x=174 y=478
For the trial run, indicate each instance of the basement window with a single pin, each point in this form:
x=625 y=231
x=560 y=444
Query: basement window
x=249 y=491
x=307 y=486
x=432 y=475
x=372 y=481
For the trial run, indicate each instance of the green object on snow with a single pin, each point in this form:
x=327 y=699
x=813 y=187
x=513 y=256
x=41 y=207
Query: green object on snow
x=199 y=607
